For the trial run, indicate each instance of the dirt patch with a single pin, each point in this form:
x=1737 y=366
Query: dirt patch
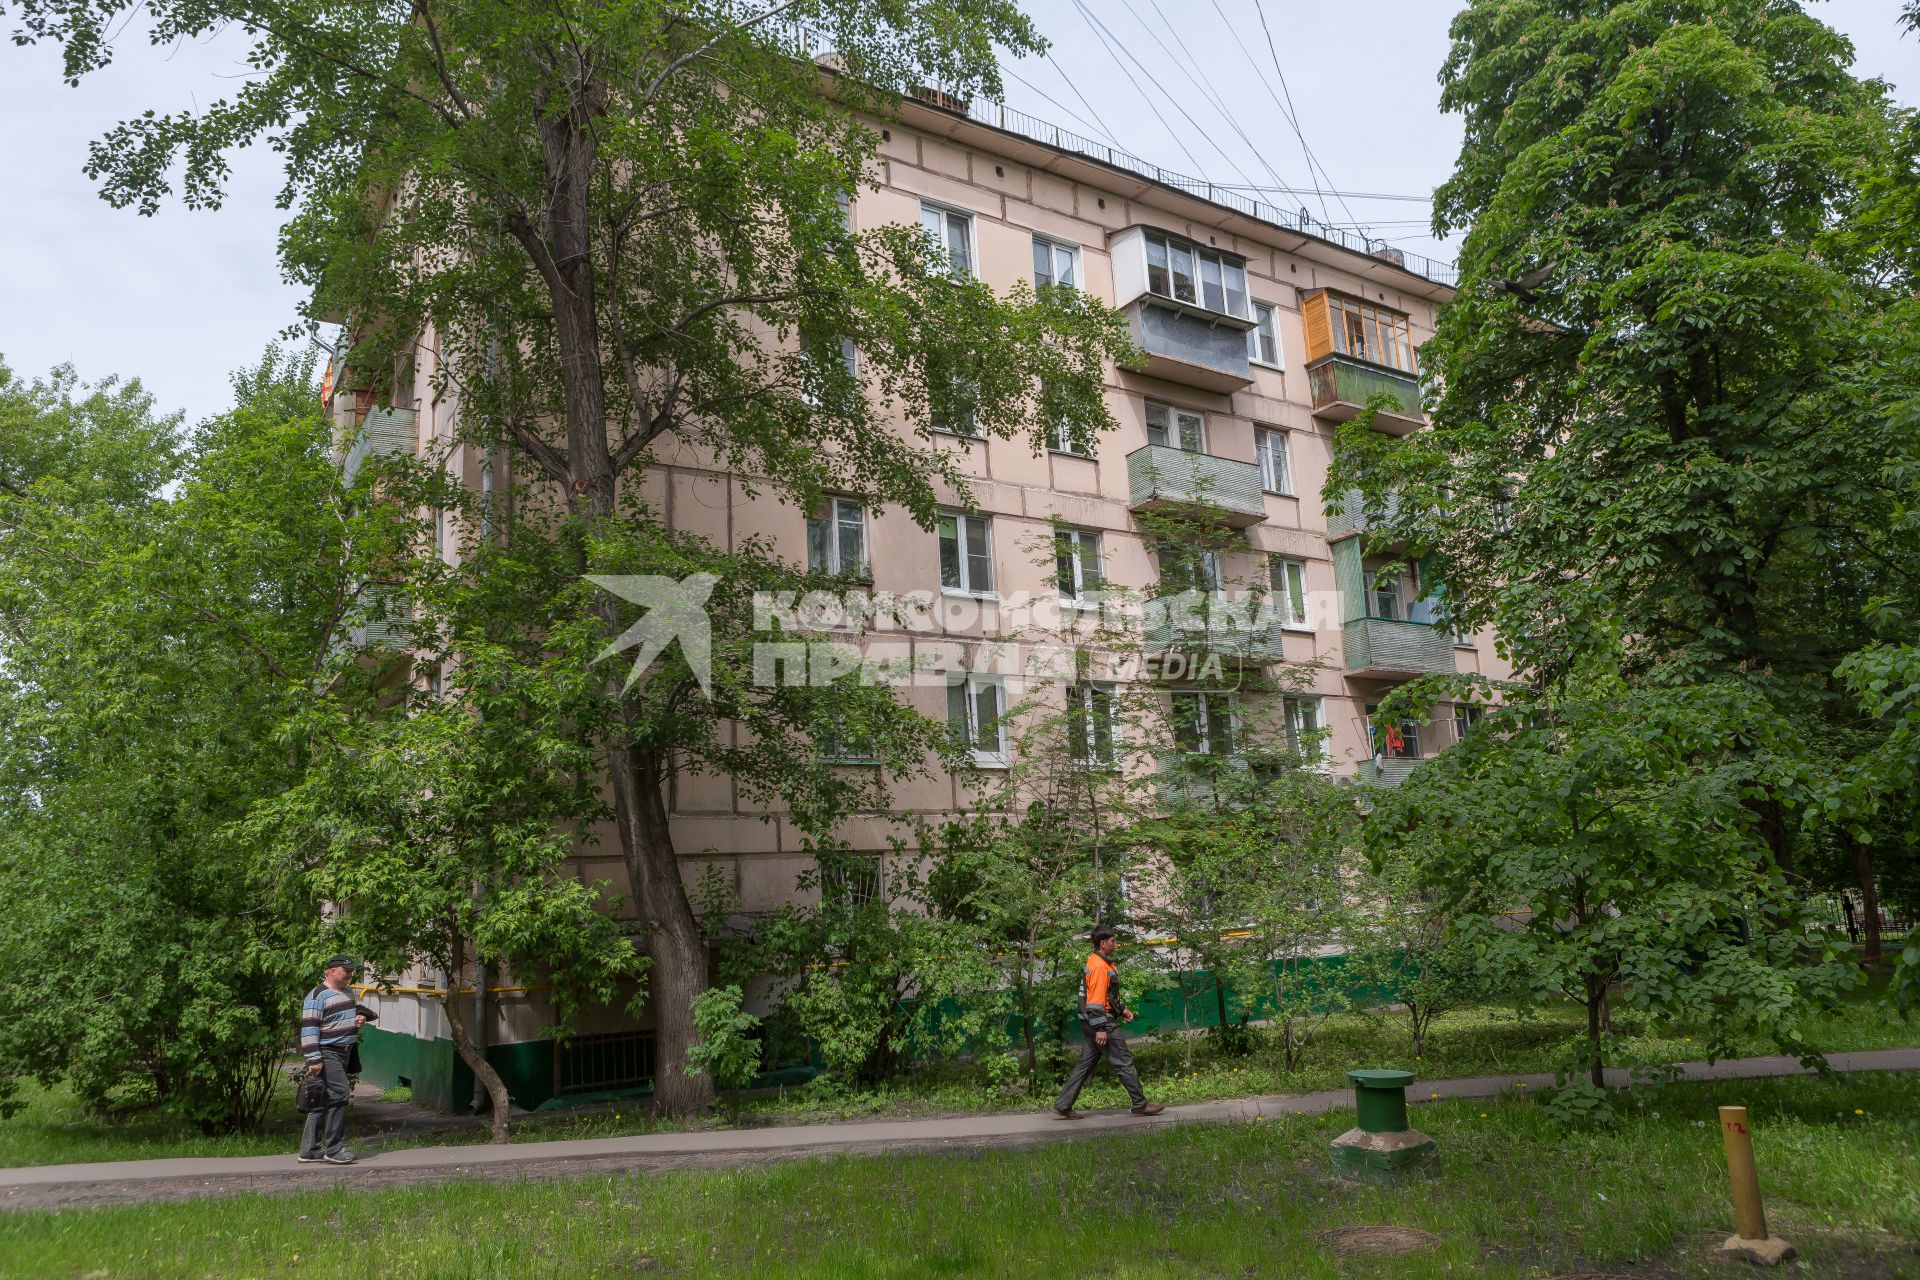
x=1377 y=1241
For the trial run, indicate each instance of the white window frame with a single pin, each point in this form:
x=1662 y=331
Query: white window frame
x=1409 y=734
x=1295 y=614
x=1305 y=717
x=947 y=214
x=1266 y=327
x=831 y=522
x=962 y=522
x=1173 y=433
x=1397 y=587
x=1054 y=249
x=1082 y=550
x=1081 y=706
x=1203 y=723
x=1271 y=444
x=1231 y=264
x=967 y=719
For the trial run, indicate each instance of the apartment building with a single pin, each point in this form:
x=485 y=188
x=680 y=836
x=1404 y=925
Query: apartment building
x=1262 y=332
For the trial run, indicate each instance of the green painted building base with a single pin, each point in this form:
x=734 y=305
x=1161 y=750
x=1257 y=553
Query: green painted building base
x=441 y=1081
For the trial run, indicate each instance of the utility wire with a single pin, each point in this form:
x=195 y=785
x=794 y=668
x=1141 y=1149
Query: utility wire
x=1209 y=95
x=1111 y=135
x=1171 y=131
x=1293 y=116
x=1096 y=125
x=1102 y=27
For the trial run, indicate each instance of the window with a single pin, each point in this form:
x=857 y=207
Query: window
x=1466 y=715
x=1385 y=599
x=1054 y=416
x=1203 y=723
x=1290 y=588
x=851 y=879
x=975 y=711
x=954 y=230
x=1185 y=272
x=1055 y=264
x=1077 y=557
x=839 y=744
x=1276 y=464
x=1394 y=741
x=1306 y=728
x=1090 y=729
x=837 y=538
x=1263 y=340
x=1180 y=428
x=1188 y=568
x=818 y=354
x=1372 y=333
x=952 y=400
x=966 y=553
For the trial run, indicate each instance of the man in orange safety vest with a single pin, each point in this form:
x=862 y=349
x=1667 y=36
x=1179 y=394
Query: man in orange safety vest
x=1101 y=1013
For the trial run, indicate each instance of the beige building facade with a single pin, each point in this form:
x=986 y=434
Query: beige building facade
x=1262 y=332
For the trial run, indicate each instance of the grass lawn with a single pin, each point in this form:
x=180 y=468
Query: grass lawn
x=1515 y=1197
x=1486 y=1040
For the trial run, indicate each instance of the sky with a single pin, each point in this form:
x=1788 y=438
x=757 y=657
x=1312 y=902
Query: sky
x=182 y=299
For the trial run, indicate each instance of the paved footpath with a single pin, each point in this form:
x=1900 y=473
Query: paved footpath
x=131 y=1181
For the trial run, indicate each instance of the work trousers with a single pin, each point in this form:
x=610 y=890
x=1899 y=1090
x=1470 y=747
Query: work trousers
x=326 y=1132
x=1117 y=1055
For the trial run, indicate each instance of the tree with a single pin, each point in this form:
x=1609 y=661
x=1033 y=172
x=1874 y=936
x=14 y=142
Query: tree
x=1407 y=945
x=166 y=600
x=1599 y=845
x=1660 y=398
x=528 y=184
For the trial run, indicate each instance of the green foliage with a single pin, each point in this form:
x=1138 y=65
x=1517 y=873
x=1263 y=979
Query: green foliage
x=1600 y=846
x=167 y=601
x=729 y=1049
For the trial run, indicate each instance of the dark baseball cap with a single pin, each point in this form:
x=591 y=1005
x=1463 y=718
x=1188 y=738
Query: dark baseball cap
x=348 y=962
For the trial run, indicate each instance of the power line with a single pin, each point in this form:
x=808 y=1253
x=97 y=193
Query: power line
x=1171 y=131
x=1096 y=124
x=1211 y=97
x=1293 y=116
x=1091 y=18
x=1111 y=136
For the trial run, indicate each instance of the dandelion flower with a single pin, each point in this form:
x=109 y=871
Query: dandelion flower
x=1483 y=1115
x=1857 y=1111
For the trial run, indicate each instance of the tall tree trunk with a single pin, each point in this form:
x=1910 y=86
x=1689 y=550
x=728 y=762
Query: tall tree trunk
x=674 y=941
x=1869 y=902
x=562 y=251
x=463 y=1043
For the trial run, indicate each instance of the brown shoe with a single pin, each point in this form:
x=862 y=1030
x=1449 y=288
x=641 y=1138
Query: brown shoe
x=1148 y=1109
x=1070 y=1114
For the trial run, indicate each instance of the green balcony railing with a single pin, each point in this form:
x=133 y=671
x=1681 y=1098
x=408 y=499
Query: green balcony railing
x=1160 y=476
x=1246 y=641
x=1389 y=771
x=1357 y=517
x=1392 y=647
x=1341 y=388
x=382 y=433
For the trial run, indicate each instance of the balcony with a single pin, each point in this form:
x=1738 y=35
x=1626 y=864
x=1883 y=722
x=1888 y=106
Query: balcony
x=383 y=433
x=1356 y=517
x=1341 y=386
x=1389 y=771
x=1190 y=345
x=1239 y=635
x=1163 y=478
x=1391 y=649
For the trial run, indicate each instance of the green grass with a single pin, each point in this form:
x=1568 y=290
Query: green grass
x=1481 y=1041
x=1515 y=1197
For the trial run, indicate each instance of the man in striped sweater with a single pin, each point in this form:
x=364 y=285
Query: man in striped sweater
x=329 y=1028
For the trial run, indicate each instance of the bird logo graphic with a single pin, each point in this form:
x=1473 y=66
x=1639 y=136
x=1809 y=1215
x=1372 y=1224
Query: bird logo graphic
x=676 y=609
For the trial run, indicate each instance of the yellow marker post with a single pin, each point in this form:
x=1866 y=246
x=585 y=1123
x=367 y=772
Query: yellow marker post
x=1750 y=1239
